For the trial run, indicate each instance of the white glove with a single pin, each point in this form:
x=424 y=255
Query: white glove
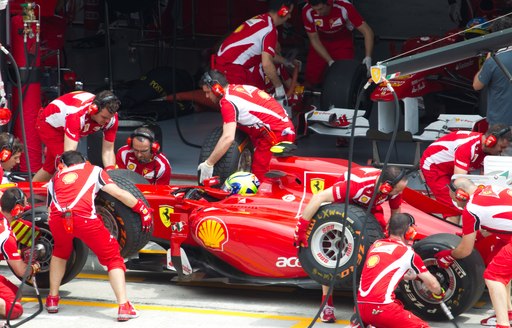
x=367 y=61
x=454 y=12
x=3 y=4
x=205 y=171
x=279 y=94
x=330 y=62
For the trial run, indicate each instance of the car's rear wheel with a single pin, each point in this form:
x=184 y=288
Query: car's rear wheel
x=45 y=242
x=238 y=157
x=319 y=259
x=463 y=280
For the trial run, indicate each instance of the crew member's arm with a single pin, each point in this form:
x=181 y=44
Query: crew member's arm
x=107 y=154
x=465 y=246
x=69 y=144
x=314 y=39
x=316 y=201
x=369 y=36
x=431 y=282
x=17 y=266
x=269 y=68
x=477 y=83
x=225 y=141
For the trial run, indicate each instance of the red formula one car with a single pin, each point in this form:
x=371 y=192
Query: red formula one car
x=249 y=239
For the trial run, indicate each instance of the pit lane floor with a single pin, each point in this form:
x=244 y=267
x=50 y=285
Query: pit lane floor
x=88 y=301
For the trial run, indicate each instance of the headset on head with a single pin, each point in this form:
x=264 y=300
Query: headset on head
x=6 y=151
x=283 y=11
x=214 y=85
x=98 y=104
x=60 y=164
x=387 y=186
x=411 y=232
x=492 y=139
x=460 y=194
x=155 y=146
x=19 y=203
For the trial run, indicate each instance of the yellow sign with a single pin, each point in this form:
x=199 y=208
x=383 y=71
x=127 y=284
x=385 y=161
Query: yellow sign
x=165 y=212
x=376 y=74
x=213 y=233
x=372 y=261
x=317 y=185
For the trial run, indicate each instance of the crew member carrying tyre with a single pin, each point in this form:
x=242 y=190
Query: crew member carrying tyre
x=254 y=112
x=65 y=120
x=459 y=152
x=488 y=208
x=72 y=214
x=13 y=202
x=388 y=261
x=329 y=25
x=142 y=155
x=362 y=184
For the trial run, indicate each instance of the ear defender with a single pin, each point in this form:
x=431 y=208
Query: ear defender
x=6 y=151
x=411 y=232
x=19 y=204
x=460 y=194
x=492 y=139
x=283 y=11
x=387 y=186
x=214 y=85
x=97 y=104
x=155 y=146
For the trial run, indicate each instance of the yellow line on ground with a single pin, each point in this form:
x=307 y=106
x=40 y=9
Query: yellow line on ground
x=105 y=277
x=302 y=321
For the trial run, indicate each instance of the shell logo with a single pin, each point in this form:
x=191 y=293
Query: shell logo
x=131 y=166
x=212 y=232
x=264 y=95
x=372 y=261
x=70 y=178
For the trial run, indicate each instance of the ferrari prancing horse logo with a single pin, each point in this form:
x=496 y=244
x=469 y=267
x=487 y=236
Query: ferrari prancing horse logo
x=317 y=185
x=165 y=212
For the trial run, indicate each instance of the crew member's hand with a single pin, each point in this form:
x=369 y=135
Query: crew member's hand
x=110 y=167
x=444 y=258
x=367 y=61
x=205 y=171
x=146 y=215
x=36 y=267
x=330 y=62
x=300 y=236
x=440 y=296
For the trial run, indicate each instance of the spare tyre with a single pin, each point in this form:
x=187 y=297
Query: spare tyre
x=343 y=81
x=319 y=259
x=463 y=281
x=238 y=157
x=120 y=220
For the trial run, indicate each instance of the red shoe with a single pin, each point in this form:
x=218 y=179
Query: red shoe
x=126 y=312
x=327 y=314
x=52 y=304
x=491 y=321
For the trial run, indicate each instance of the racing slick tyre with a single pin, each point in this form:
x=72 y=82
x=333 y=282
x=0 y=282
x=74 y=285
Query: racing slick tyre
x=463 y=280
x=238 y=157
x=129 y=175
x=120 y=220
x=44 y=241
x=319 y=259
x=343 y=81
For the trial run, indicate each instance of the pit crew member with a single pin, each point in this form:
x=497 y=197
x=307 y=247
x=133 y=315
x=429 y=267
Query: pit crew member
x=13 y=202
x=142 y=155
x=255 y=112
x=362 y=185
x=72 y=214
x=11 y=149
x=488 y=208
x=459 y=152
x=388 y=261
x=491 y=77
x=65 y=120
x=329 y=25
x=252 y=44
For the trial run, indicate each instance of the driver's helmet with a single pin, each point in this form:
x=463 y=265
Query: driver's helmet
x=241 y=183
x=477 y=26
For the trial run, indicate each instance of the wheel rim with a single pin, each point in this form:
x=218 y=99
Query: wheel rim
x=45 y=239
x=245 y=161
x=446 y=278
x=109 y=220
x=325 y=244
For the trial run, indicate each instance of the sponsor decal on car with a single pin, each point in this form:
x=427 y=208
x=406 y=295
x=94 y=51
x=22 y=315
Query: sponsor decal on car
x=288 y=262
x=212 y=232
x=317 y=185
x=165 y=212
